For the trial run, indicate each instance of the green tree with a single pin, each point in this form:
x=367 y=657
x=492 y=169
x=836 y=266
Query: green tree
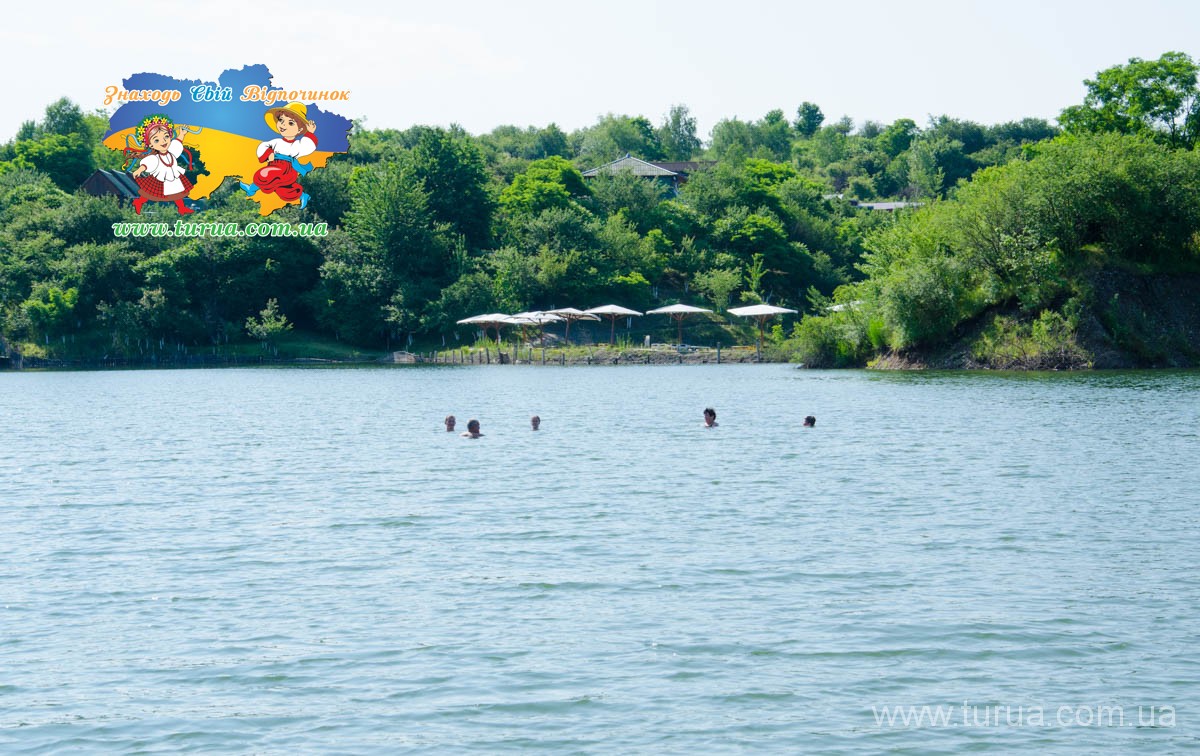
x=551 y=182
x=898 y=137
x=64 y=118
x=830 y=145
x=62 y=145
x=870 y=129
x=549 y=141
x=972 y=136
x=98 y=273
x=471 y=294
x=677 y=134
x=1024 y=131
x=808 y=119
x=268 y=326
x=718 y=285
x=50 y=311
x=614 y=136
x=1155 y=97
x=390 y=220
x=63 y=158
x=732 y=134
x=330 y=191
x=394 y=259
x=635 y=197
x=455 y=179
x=755 y=272
x=925 y=176
x=774 y=135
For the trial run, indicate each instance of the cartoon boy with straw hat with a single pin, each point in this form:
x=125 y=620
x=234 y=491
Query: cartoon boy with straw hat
x=283 y=169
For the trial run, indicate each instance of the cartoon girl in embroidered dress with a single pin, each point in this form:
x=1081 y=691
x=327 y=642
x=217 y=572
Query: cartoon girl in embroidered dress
x=283 y=169
x=159 y=175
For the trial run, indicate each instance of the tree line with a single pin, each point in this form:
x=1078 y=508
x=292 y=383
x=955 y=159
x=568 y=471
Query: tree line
x=430 y=225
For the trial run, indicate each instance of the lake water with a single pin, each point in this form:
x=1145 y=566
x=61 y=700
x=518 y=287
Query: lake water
x=303 y=560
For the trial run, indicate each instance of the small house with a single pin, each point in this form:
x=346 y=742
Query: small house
x=672 y=173
x=105 y=182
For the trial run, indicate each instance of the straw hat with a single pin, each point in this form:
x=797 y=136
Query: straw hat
x=297 y=110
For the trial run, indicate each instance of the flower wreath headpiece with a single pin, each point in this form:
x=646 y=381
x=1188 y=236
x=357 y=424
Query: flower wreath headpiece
x=141 y=141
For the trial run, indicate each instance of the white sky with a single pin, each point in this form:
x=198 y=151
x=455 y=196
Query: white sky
x=482 y=64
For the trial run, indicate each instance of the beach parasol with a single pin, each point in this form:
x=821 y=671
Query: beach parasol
x=539 y=319
x=570 y=314
x=612 y=312
x=761 y=313
x=678 y=313
x=491 y=320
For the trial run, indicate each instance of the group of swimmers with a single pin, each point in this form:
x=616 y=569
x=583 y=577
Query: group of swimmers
x=473 y=426
x=710 y=421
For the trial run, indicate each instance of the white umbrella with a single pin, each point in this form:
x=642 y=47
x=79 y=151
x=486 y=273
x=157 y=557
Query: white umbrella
x=495 y=317
x=678 y=313
x=539 y=319
x=491 y=320
x=570 y=314
x=522 y=321
x=538 y=316
x=612 y=312
x=761 y=313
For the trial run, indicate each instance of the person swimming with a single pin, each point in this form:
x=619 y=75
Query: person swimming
x=472 y=429
x=710 y=417
x=535 y=421
x=450 y=421
x=810 y=422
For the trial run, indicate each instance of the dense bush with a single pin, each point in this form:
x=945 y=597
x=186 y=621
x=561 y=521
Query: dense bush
x=1025 y=235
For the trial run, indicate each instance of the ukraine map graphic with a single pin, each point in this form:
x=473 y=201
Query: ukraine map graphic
x=226 y=133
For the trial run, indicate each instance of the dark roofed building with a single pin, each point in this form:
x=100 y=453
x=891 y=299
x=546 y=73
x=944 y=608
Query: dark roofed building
x=674 y=174
x=119 y=183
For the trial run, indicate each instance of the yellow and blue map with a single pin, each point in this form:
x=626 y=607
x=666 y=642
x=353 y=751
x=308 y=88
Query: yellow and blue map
x=225 y=132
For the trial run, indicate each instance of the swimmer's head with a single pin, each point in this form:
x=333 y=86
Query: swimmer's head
x=810 y=422
x=450 y=421
x=710 y=415
x=535 y=421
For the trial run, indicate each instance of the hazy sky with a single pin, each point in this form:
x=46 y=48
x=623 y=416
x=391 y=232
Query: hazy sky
x=482 y=64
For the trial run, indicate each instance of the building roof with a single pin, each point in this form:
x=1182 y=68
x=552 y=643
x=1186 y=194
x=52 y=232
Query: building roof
x=685 y=166
x=638 y=167
x=886 y=205
x=111 y=182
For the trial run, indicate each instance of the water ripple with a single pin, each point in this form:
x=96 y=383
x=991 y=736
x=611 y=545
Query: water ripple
x=283 y=560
